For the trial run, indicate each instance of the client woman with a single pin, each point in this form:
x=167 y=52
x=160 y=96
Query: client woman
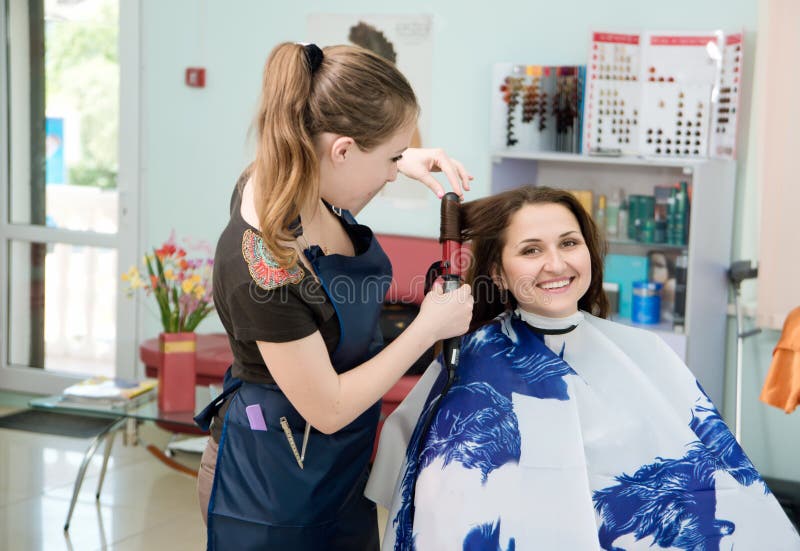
x=562 y=430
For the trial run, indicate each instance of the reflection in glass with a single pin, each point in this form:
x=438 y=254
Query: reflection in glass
x=78 y=293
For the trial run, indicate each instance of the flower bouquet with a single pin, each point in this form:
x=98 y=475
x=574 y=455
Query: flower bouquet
x=182 y=288
x=180 y=284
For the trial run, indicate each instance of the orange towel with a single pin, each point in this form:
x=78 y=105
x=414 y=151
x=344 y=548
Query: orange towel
x=782 y=387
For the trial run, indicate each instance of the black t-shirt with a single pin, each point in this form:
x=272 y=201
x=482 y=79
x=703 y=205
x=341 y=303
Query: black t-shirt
x=258 y=301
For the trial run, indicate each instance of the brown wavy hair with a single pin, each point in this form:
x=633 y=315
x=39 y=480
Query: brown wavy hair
x=484 y=222
x=353 y=93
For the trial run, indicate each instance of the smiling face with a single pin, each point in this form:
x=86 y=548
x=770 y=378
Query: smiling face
x=353 y=176
x=546 y=264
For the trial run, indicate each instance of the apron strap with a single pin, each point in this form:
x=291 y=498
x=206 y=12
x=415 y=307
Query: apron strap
x=230 y=385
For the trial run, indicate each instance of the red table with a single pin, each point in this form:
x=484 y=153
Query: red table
x=213 y=358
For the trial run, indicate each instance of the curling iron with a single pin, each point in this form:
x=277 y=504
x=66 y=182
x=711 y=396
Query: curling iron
x=450 y=268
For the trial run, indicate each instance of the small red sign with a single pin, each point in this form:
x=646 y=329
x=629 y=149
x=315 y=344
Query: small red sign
x=682 y=40
x=196 y=77
x=616 y=38
x=733 y=39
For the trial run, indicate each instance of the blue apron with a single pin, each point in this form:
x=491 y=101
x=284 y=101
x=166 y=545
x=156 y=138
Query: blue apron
x=260 y=498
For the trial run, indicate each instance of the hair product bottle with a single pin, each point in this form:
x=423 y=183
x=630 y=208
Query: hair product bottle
x=622 y=219
x=612 y=214
x=600 y=213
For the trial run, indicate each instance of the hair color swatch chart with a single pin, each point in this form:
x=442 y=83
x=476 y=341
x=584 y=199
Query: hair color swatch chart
x=650 y=93
x=663 y=94
x=613 y=94
x=725 y=117
x=681 y=70
x=536 y=108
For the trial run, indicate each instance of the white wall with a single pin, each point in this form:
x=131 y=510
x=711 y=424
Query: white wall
x=194 y=142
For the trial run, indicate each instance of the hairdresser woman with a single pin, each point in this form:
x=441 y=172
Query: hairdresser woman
x=298 y=285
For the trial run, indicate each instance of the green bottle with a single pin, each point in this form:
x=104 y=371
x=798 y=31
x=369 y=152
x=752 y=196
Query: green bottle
x=681 y=211
x=612 y=214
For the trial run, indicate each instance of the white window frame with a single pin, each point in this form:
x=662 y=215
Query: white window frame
x=126 y=241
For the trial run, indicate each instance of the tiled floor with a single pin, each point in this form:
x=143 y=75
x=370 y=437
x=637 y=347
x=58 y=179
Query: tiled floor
x=144 y=504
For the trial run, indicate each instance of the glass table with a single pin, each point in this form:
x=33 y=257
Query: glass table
x=125 y=417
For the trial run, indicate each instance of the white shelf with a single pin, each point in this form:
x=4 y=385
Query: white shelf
x=666 y=162
x=661 y=327
x=641 y=244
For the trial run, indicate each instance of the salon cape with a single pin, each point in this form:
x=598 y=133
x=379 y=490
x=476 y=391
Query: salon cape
x=598 y=438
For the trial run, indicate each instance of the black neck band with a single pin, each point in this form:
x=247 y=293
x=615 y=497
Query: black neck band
x=553 y=331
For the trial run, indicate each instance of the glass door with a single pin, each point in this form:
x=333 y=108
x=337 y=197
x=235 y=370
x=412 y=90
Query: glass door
x=68 y=217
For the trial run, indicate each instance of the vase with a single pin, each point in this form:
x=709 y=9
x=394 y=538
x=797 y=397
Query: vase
x=176 y=374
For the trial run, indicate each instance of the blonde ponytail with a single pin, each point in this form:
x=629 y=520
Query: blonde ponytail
x=286 y=167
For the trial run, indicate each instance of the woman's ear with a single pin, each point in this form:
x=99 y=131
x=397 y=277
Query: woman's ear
x=341 y=148
x=497 y=278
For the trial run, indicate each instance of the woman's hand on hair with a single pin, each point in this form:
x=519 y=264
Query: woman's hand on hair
x=420 y=163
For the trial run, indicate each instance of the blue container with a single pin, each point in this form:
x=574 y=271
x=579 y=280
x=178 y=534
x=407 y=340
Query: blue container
x=623 y=270
x=646 y=302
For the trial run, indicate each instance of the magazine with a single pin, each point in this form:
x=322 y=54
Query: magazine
x=110 y=391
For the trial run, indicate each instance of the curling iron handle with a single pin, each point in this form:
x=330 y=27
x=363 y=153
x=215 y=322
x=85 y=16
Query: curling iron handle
x=451 y=348
x=451 y=351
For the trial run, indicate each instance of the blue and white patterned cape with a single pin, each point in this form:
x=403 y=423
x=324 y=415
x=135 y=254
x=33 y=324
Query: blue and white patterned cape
x=600 y=438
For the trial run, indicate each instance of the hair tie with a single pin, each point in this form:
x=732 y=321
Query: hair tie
x=313 y=56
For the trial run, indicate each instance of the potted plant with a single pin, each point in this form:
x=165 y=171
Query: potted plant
x=181 y=286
